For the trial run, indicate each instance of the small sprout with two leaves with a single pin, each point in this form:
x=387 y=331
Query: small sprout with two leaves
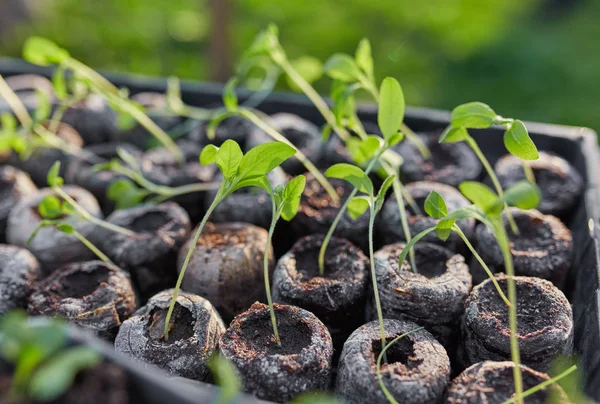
x=286 y=201
x=357 y=206
x=45 y=366
x=239 y=171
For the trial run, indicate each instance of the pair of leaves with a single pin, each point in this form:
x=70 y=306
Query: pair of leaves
x=43 y=52
x=343 y=67
x=361 y=181
x=265 y=43
x=477 y=115
x=126 y=194
x=287 y=197
x=9 y=138
x=363 y=150
x=52 y=207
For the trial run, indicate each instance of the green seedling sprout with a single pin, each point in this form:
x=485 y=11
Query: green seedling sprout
x=233 y=108
x=357 y=206
x=137 y=188
x=390 y=116
x=228 y=380
x=43 y=52
x=239 y=170
x=286 y=200
x=45 y=367
x=487 y=208
x=477 y=115
x=381 y=357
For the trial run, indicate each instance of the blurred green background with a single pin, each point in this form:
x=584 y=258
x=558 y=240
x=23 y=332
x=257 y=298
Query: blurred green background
x=533 y=59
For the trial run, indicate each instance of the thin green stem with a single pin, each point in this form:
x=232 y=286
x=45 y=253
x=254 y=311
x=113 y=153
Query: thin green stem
x=542 y=385
x=15 y=103
x=218 y=199
x=397 y=188
x=90 y=218
x=386 y=392
x=460 y=233
x=416 y=140
x=249 y=115
x=93 y=248
x=374 y=276
x=528 y=172
x=490 y=172
x=276 y=214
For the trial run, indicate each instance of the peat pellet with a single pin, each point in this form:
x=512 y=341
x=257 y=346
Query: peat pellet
x=302 y=362
x=52 y=247
x=559 y=181
x=433 y=297
x=493 y=383
x=226 y=266
x=93 y=294
x=449 y=163
x=389 y=225
x=194 y=331
x=25 y=86
x=160 y=166
x=151 y=254
x=317 y=211
x=234 y=128
x=15 y=186
x=303 y=134
x=93 y=118
x=250 y=204
x=417 y=369
x=338 y=297
x=19 y=271
x=543 y=248
x=544 y=323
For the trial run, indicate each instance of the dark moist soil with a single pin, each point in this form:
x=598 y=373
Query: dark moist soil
x=258 y=334
x=400 y=356
x=544 y=323
x=493 y=383
x=79 y=284
x=543 y=248
x=181 y=324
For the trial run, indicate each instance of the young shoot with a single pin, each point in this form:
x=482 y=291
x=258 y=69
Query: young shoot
x=357 y=206
x=488 y=207
x=226 y=377
x=239 y=171
x=477 y=115
x=44 y=365
x=286 y=200
x=389 y=117
x=137 y=188
x=233 y=108
x=43 y=52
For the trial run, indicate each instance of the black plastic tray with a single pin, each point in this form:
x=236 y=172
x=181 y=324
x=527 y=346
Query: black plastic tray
x=576 y=145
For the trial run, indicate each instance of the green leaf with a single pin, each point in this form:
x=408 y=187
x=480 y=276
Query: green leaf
x=126 y=194
x=524 y=195
x=59 y=83
x=518 y=142
x=228 y=158
x=125 y=121
x=363 y=57
x=342 y=67
x=482 y=196
x=443 y=228
x=473 y=115
x=265 y=42
x=325 y=132
x=209 y=154
x=353 y=174
x=435 y=206
x=43 y=52
x=344 y=105
x=357 y=206
x=44 y=106
x=391 y=107
x=229 y=97
x=55 y=377
x=309 y=67
x=66 y=228
x=453 y=134
x=291 y=197
x=50 y=207
x=226 y=377
x=259 y=182
x=383 y=191
x=261 y=159
x=53 y=177
x=8 y=122
x=395 y=139
x=363 y=150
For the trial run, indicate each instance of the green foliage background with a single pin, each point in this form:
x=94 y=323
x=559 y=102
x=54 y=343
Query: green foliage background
x=524 y=57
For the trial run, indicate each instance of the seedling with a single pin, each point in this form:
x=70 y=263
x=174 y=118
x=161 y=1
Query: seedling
x=477 y=115
x=226 y=377
x=45 y=367
x=487 y=208
x=56 y=210
x=239 y=171
x=137 y=189
x=357 y=206
x=286 y=200
x=381 y=357
x=44 y=52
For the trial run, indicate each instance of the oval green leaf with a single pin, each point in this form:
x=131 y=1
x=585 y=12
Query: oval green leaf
x=357 y=206
x=353 y=174
x=228 y=158
x=364 y=58
x=435 y=205
x=473 y=115
x=453 y=134
x=342 y=67
x=208 y=154
x=43 y=52
x=263 y=158
x=391 y=107
x=518 y=142
x=524 y=195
